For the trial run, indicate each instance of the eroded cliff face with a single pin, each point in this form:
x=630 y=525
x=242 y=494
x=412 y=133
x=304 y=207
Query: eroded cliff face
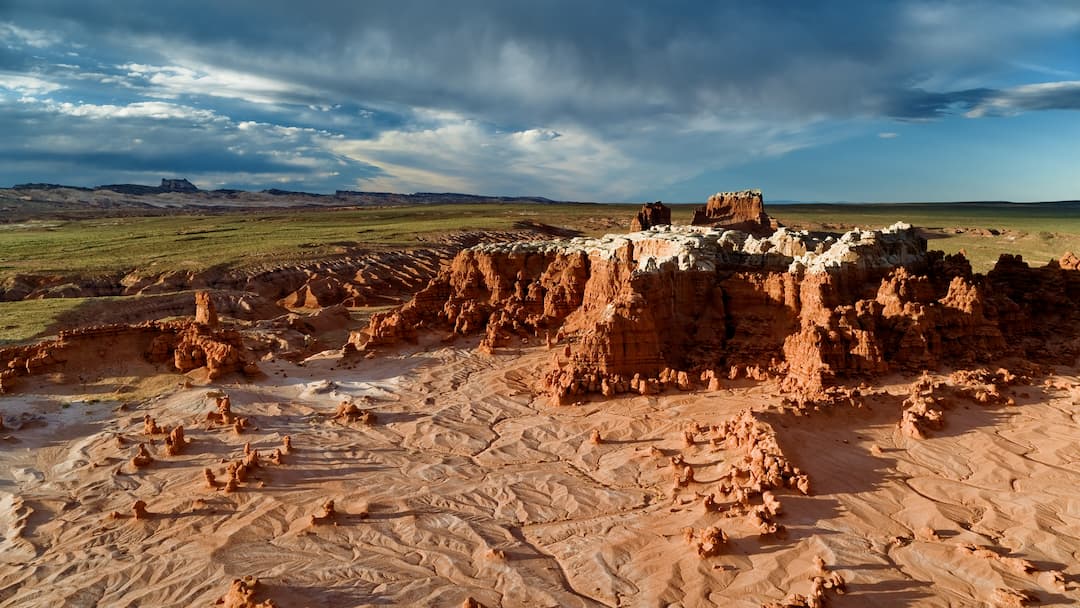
x=629 y=312
x=177 y=345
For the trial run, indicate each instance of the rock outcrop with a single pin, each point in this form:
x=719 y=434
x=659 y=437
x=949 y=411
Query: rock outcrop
x=743 y=211
x=630 y=312
x=651 y=214
x=243 y=594
x=180 y=345
x=205 y=312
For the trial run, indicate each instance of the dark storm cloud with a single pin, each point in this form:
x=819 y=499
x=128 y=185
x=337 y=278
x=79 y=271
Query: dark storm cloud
x=466 y=94
x=522 y=62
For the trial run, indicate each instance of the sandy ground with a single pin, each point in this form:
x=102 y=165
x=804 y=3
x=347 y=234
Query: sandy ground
x=475 y=487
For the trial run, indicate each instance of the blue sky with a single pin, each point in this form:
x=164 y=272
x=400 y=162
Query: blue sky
x=606 y=101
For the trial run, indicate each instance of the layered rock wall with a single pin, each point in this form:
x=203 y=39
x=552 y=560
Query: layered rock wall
x=714 y=302
x=178 y=345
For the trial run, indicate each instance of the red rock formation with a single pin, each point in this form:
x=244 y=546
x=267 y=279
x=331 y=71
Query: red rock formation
x=205 y=313
x=150 y=427
x=142 y=457
x=743 y=210
x=712 y=542
x=650 y=310
x=922 y=411
x=175 y=442
x=242 y=594
x=138 y=510
x=183 y=345
x=348 y=412
x=224 y=414
x=211 y=481
x=651 y=214
x=328 y=514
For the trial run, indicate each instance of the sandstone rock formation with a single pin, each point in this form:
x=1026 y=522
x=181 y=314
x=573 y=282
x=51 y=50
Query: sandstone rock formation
x=142 y=457
x=712 y=542
x=820 y=587
x=150 y=427
x=743 y=211
x=660 y=309
x=181 y=345
x=348 y=412
x=138 y=510
x=328 y=515
x=205 y=313
x=176 y=442
x=651 y=214
x=242 y=594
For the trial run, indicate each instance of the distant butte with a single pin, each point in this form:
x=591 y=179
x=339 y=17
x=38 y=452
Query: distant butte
x=651 y=214
x=743 y=210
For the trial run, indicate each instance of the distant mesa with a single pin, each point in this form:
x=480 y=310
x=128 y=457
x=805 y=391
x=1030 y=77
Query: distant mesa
x=743 y=211
x=651 y=214
x=167 y=185
x=177 y=185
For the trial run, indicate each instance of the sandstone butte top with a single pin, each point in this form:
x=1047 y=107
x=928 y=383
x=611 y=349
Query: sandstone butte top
x=743 y=210
x=708 y=247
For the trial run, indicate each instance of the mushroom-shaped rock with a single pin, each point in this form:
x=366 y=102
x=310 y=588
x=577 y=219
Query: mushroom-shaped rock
x=328 y=515
x=138 y=510
x=142 y=457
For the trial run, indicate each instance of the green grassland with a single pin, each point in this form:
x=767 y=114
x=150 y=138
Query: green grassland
x=22 y=321
x=158 y=244
x=196 y=241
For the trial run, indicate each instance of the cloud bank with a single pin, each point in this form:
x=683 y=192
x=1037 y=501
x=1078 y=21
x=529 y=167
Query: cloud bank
x=589 y=101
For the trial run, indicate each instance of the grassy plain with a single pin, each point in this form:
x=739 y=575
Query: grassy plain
x=162 y=243
x=158 y=244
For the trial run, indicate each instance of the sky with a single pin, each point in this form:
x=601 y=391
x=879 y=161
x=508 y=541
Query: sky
x=834 y=100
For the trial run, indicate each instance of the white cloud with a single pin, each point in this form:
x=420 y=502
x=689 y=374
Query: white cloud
x=1063 y=95
x=37 y=39
x=888 y=135
x=175 y=80
x=464 y=155
x=27 y=84
x=143 y=109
